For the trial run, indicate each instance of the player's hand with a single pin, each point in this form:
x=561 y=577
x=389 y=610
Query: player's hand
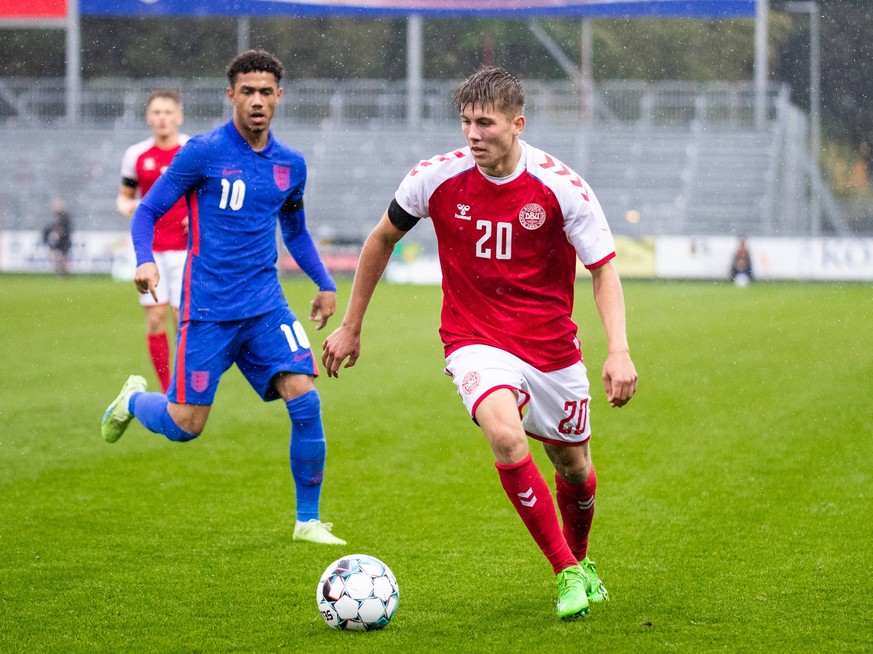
x=323 y=307
x=619 y=378
x=146 y=279
x=185 y=224
x=343 y=343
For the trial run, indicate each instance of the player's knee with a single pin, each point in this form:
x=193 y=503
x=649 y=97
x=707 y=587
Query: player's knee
x=304 y=407
x=156 y=320
x=508 y=442
x=177 y=432
x=185 y=422
x=184 y=436
x=574 y=474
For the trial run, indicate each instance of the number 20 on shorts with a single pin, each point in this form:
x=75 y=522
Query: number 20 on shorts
x=576 y=419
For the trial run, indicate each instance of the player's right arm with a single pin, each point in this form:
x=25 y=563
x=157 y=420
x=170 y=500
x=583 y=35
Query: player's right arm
x=126 y=200
x=345 y=342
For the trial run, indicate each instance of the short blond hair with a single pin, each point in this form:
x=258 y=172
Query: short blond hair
x=169 y=94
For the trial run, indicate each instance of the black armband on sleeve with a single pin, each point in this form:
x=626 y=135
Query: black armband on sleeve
x=400 y=218
x=128 y=182
x=292 y=206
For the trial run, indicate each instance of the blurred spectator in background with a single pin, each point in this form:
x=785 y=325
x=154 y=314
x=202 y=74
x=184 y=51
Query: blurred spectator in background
x=741 y=268
x=58 y=237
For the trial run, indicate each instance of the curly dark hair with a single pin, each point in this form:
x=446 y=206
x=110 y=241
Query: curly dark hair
x=491 y=86
x=252 y=61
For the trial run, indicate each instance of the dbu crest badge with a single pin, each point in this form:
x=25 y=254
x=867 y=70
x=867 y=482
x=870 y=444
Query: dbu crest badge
x=470 y=382
x=282 y=176
x=200 y=380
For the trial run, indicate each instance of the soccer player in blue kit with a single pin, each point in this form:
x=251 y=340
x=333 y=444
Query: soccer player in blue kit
x=233 y=309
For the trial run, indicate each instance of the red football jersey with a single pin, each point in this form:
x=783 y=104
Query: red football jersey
x=141 y=165
x=508 y=250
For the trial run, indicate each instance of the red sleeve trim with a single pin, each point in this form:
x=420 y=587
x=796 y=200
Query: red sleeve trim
x=604 y=260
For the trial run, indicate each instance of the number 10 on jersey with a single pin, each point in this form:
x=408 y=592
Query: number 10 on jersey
x=236 y=193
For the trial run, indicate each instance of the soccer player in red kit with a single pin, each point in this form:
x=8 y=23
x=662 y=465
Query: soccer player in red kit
x=510 y=222
x=141 y=166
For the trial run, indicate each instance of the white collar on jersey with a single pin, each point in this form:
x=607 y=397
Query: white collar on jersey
x=519 y=168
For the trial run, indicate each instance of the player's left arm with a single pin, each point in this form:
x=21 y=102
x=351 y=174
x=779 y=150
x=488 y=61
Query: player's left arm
x=619 y=374
x=298 y=240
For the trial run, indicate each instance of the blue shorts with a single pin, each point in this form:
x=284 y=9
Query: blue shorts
x=261 y=347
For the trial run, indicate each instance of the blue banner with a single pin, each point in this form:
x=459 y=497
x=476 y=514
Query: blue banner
x=427 y=8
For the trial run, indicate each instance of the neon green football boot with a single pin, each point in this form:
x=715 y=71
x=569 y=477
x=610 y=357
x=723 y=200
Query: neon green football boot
x=572 y=593
x=596 y=589
x=315 y=531
x=117 y=416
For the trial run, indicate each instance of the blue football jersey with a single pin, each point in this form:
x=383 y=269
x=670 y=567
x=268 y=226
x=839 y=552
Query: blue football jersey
x=234 y=195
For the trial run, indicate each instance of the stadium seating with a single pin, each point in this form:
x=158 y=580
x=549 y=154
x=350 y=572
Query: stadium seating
x=654 y=171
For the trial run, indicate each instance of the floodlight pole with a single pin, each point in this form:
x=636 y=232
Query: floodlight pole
x=73 y=97
x=762 y=11
x=814 y=97
x=414 y=69
x=587 y=69
x=243 y=33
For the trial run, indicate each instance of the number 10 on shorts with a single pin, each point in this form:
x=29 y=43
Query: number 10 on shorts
x=296 y=336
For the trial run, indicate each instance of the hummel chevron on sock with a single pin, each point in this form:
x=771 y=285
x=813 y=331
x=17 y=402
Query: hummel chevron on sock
x=529 y=493
x=576 y=503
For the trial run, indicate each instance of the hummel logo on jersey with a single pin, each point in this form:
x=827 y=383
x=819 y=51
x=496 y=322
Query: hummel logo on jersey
x=463 y=208
x=527 y=498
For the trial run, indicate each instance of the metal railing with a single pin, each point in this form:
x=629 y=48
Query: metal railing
x=664 y=158
x=378 y=102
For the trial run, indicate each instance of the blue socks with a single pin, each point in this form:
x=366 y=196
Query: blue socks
x=151 y=410
x=307 y=453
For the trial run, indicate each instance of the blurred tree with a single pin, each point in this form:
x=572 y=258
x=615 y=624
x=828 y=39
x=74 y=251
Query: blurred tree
x=152 y=47
x=847 y=70
x=32 y=53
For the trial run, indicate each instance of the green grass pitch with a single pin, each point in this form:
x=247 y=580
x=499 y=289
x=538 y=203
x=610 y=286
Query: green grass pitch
x=734 y=510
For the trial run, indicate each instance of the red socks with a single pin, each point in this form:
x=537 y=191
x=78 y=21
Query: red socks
x=576 y=502
x=529 y=493
x=159 y=349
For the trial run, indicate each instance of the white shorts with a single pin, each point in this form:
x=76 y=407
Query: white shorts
x=171 y=265
x=553 y=405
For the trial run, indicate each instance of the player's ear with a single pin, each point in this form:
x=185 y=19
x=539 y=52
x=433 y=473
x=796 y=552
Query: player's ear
x=229 y=92
x=518 y=124
x=278 y=93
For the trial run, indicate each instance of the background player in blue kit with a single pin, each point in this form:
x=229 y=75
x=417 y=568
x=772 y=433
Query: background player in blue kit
x=233 y=309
